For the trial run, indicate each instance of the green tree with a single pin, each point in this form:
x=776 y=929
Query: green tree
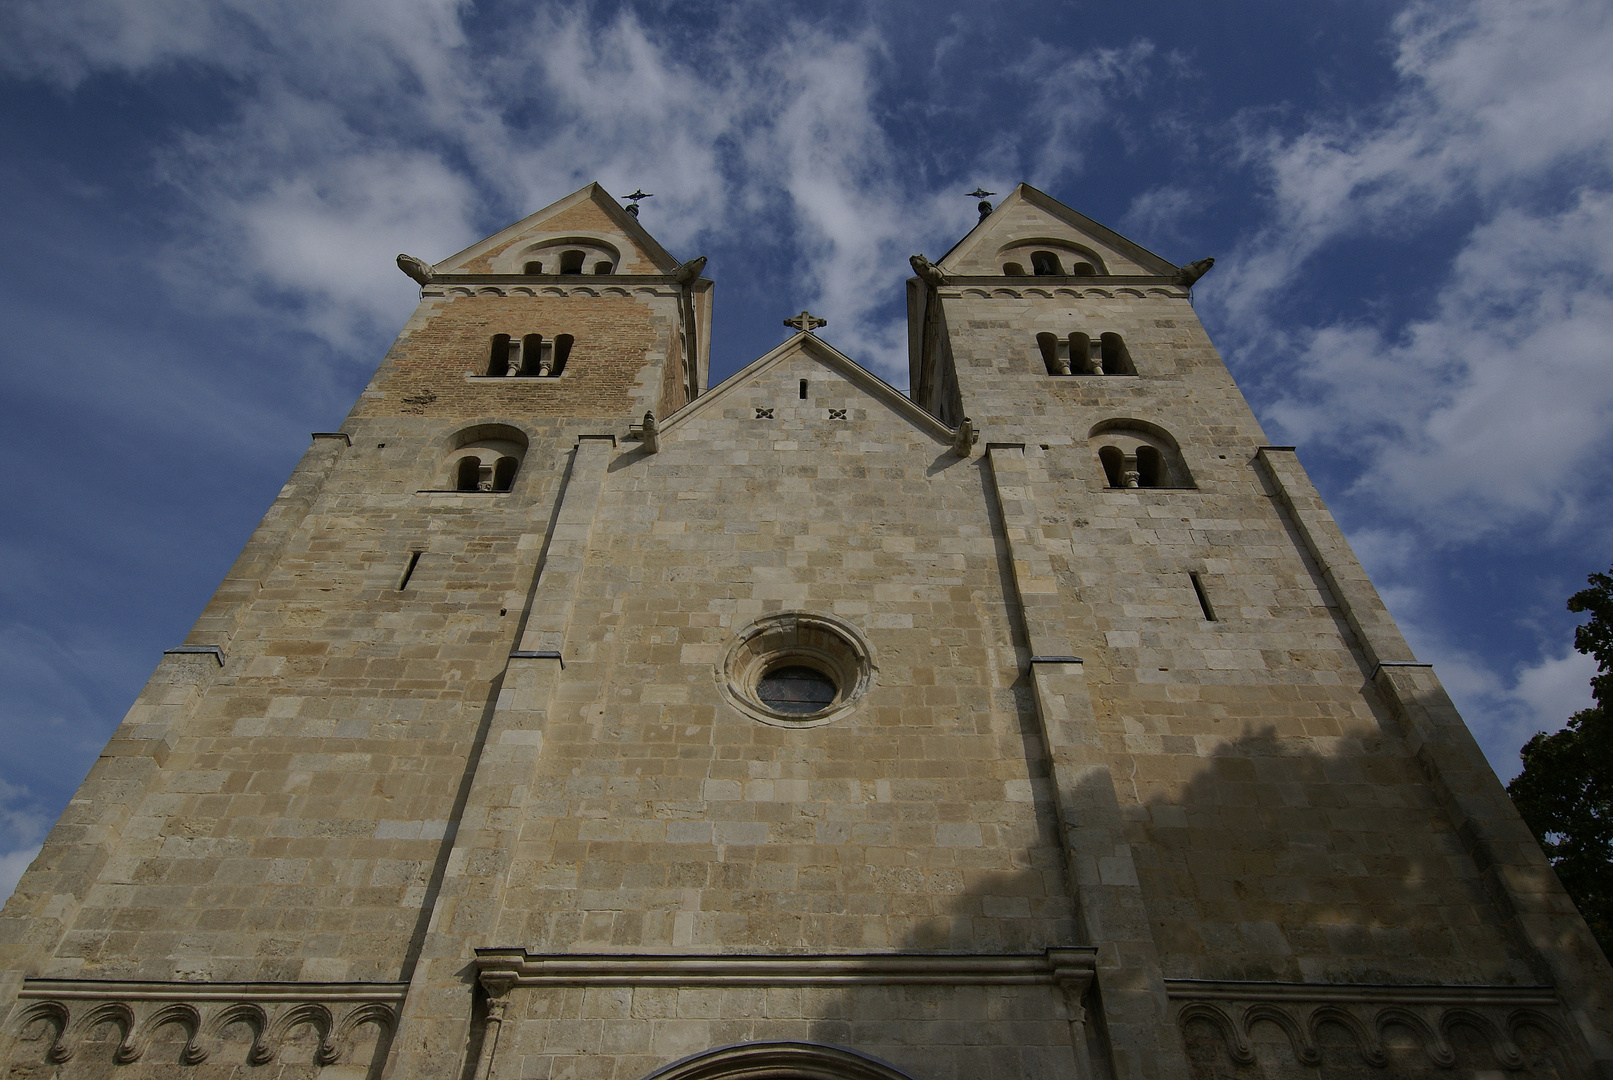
x=1565 y=792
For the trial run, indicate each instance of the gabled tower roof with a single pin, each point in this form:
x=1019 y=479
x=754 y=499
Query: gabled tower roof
x=589 y=213
x=1028 y=217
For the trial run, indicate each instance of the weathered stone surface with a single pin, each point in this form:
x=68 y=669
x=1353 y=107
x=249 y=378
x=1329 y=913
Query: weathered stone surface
x=1137 y=757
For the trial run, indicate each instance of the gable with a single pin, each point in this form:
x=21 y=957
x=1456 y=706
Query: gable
x=1028 y=222
x=729 y=413
x=588 y=220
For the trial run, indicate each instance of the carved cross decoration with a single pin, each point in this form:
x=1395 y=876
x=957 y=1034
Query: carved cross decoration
x=806 y=322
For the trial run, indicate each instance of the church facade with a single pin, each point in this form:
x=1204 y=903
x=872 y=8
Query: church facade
x=567 y=718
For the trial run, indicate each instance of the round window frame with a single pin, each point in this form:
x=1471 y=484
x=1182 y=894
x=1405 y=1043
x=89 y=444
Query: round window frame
x=826 y=644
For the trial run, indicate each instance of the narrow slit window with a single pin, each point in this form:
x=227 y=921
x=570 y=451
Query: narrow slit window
x=408 y=571
x=803 y=389
x=1204 y=599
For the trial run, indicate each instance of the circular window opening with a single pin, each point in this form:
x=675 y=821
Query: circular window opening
x=797 y=690
x=796 y=670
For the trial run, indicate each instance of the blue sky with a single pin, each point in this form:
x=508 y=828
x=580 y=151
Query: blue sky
x=1411 y=205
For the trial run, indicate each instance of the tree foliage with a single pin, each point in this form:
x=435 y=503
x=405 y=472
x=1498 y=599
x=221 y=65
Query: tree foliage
x=1565 y=792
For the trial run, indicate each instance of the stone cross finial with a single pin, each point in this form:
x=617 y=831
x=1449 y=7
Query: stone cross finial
x=806 y=322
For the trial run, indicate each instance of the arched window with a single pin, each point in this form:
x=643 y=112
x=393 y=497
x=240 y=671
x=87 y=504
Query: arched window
x=1137 y=454
x=468 y=474
x=1150 y=467
x=485 y=457
x=1046 y=264
x=1081 y=355
x=532 y=268
x=498 y=359
x=562 y=353
x=1113 y=460
x=1014 y=269
x=1084 y=269
x=602 y=268
x=1116 y=359
x=504 y=473
x=795 y=1060
x=532 y=354
x=1055 y=353
x=571 y=262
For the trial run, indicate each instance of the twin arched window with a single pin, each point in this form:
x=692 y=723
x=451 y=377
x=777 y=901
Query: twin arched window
x=485 y=458
x=530 y=356
x=1137 y=454
x=1078 y=354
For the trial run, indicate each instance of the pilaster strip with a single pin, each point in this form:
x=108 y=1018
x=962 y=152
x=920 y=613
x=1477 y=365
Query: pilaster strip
x=1103 y=874
x=1521 y=883
x=1358 y=601
x=563 y=562
x=468 y=906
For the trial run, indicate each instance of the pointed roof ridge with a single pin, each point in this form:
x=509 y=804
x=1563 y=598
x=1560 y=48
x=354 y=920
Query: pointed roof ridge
x=831 y=357
x=1023 y=192
x=593 y=190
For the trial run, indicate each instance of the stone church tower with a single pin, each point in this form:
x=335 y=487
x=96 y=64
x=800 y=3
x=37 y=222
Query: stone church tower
x=566 y=719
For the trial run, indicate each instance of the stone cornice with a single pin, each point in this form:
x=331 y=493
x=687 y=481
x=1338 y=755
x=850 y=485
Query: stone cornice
x=1050 y=288
x=1386 y=993
x=507 y=967
x=119 y=990
x=595 y=285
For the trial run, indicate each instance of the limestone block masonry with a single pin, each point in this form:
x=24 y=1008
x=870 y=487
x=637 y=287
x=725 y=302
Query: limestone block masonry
x=566 y=718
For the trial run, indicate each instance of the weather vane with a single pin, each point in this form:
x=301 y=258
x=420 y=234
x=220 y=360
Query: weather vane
x=633 y=200
x=981 y=193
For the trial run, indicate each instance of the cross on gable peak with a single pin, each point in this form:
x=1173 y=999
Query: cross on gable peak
x=806 y=322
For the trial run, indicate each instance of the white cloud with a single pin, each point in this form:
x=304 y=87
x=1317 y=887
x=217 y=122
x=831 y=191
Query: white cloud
x=1075 y=92
x=1495 y=406
x=1158 y=213
x=1504 y=706
x=361 y=129
x=1494 y=93
x=1498 y=405
x=64 y=41
x=1504 y=713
